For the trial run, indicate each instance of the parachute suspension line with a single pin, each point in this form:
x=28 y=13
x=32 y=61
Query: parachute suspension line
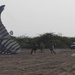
x=11 y=17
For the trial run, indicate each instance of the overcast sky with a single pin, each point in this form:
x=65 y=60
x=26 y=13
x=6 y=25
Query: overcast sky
x=34 y=17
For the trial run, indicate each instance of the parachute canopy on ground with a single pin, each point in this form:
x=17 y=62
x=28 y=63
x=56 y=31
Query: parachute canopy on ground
x=7 y=44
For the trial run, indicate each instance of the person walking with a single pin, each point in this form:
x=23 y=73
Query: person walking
x=52 y=47
x=34 y=48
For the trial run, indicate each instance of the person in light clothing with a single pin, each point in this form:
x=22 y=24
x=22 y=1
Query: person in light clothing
x=52 y=47
x=42 y=45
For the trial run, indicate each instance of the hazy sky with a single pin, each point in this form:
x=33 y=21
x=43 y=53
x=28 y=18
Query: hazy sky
x=34 y=17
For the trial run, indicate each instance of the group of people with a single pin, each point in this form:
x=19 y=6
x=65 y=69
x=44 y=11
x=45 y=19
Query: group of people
x=42 y=45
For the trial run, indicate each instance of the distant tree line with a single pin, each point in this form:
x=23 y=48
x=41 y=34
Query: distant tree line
x=59 y=41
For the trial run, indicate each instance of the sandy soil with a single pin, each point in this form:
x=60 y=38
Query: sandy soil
x=61 y=63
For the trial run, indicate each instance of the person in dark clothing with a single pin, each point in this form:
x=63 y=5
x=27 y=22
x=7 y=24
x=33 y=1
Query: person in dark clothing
x=52 y=47
x=35 y=45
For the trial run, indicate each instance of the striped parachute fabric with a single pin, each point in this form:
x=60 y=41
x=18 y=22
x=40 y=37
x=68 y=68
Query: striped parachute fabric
x=7 y=44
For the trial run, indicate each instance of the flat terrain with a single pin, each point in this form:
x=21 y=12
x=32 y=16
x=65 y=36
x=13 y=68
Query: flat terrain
x=61 y=63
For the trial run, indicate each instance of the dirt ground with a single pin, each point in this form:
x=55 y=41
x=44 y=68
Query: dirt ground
x=23 y=63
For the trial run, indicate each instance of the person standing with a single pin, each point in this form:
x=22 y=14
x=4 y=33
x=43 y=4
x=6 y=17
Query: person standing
x=52 y=47
x=42 y=45
x=34 y=48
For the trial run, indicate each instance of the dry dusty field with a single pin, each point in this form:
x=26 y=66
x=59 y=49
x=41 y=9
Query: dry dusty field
x=61 y=63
